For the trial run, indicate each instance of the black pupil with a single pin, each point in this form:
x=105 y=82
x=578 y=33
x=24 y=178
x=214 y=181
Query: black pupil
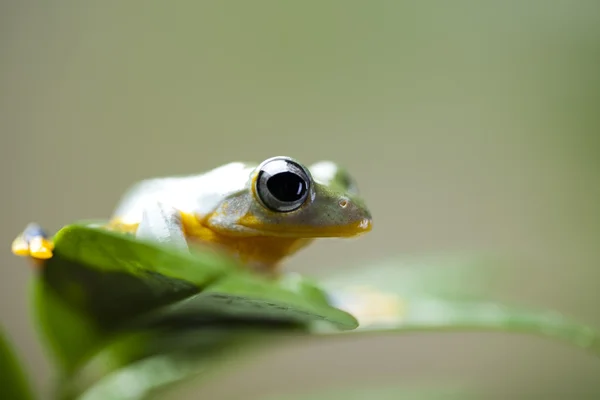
x=286 y=186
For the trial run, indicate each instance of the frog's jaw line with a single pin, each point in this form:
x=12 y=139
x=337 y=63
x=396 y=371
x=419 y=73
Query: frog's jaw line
x=325 y=231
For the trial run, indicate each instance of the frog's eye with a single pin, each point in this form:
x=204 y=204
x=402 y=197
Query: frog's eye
x=282 y=185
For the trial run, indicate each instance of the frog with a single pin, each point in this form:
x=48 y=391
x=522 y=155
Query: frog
x=260 y=213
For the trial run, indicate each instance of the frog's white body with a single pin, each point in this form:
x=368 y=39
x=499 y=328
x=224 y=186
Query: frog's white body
x=194 y=194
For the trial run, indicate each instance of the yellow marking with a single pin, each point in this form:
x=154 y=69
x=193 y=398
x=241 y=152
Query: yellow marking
x=20 y=247
x=313 y=231
x=116 y=225
x=373 y=307
x=265 y=250
x=253 y=186
x=40 y=248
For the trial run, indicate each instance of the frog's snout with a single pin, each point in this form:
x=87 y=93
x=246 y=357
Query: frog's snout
x=355 y=218
x=366 y=224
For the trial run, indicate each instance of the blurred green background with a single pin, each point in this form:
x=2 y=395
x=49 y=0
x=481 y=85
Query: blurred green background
x=470 y=126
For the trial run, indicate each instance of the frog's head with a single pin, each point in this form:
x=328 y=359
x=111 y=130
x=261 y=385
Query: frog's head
x=285 y=198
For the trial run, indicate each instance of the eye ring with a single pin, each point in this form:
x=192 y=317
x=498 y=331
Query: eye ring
x=282 y=184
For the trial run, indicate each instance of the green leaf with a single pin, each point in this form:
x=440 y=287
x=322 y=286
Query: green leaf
x=99 y=280
x=453 y=276
x=13 y=382
x=114 y=277
x=435 y=296
x=431 y=295
x=115 y=309
x=69 y=334
x=248 y=296
x=162 y=359
x=108 y=251
x=156 y=377
x=99 y=283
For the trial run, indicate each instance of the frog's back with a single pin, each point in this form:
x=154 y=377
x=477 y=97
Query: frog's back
x=194 y=194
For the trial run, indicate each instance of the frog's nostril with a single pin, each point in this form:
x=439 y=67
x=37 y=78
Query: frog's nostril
x=343 y=203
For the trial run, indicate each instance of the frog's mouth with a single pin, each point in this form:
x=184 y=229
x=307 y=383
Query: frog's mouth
x=351 y=229
x=347 y=230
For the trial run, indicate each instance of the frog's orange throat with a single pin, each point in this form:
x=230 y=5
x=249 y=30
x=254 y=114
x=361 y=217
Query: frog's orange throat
x=259 y=252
